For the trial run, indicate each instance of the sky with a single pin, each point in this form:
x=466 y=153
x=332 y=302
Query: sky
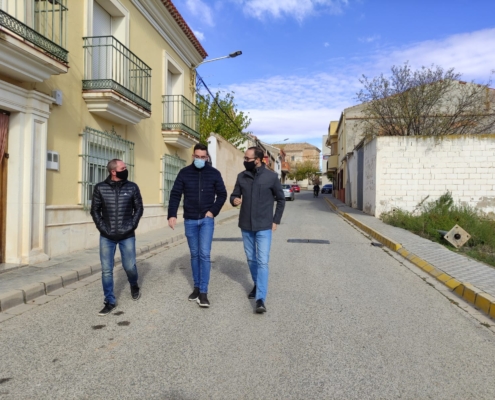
x=302 y=59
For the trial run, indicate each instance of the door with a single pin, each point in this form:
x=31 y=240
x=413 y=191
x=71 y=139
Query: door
x=360 y=174
x=4 y=155
x=102 y=52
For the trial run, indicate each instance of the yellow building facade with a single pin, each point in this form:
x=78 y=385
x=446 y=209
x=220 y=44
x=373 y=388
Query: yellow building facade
x=82 y=82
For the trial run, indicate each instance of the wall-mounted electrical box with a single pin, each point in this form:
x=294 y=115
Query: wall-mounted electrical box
x=52 y=160
x=57 y=95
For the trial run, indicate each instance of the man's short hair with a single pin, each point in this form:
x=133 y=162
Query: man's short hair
x=200 y=146
x=258 y=152
x=112 y=165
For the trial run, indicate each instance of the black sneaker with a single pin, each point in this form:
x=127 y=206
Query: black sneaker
x=252 y=294
x=260 y=307
x=194 y=295
x=107 y=309
x=203 y=300
x=135 y=293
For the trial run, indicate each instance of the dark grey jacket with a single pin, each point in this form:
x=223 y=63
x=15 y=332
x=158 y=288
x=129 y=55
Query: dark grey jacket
x=259 y=191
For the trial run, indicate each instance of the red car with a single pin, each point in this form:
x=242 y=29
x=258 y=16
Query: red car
x=295 y=188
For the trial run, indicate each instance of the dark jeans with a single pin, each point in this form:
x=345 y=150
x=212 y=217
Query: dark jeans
x=107 y=253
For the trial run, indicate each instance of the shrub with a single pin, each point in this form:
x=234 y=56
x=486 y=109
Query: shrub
x=443 y=214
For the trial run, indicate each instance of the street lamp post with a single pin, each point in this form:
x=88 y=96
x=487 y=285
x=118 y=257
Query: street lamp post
x=231 y=55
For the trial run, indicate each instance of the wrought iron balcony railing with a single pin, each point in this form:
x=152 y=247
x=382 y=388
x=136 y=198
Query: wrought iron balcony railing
x=109 y=65
x=40 y=22
x=180 y=114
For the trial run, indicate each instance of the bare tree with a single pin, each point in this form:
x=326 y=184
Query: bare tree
x=428 y=102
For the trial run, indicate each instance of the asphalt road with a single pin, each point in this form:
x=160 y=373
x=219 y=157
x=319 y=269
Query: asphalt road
x=345 y=320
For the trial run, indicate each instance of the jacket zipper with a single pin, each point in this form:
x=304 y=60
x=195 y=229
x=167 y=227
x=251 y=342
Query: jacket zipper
x=199 y=194
x=116 y=209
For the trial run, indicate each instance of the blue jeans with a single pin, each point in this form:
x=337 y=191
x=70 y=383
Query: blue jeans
x=257 y=248
x=199 y=234
x=107 y=253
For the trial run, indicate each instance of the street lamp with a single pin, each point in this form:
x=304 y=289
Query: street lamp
x=231 y=55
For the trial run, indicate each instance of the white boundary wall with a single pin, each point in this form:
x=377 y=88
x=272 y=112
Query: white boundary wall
x=399 y=172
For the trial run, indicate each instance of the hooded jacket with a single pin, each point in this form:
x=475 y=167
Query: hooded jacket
x=116 y=208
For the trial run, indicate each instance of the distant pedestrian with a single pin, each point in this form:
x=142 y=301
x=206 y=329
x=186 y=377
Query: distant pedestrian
x=316 y=190
x=116 y=209
x=204 y=195
x=256 y=190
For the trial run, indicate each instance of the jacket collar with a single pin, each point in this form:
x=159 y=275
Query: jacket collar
x=114 y=183
x=257 y=172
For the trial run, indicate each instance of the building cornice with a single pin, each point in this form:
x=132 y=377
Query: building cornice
x=166 y=24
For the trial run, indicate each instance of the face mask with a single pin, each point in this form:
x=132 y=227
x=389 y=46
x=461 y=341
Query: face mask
x=198 y=163
x=122 y=174
x=249 y=165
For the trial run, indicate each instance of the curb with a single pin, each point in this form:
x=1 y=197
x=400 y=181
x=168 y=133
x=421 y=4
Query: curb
x=476 y=297
x=32 y=291
x=27 y=293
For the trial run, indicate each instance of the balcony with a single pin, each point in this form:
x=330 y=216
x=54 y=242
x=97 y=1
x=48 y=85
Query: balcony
x=32 y=39
x=180 y=121
x=117 y=84
x=333 y=162
x=285 y=166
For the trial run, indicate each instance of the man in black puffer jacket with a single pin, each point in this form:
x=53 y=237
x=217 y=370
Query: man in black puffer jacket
x=204 y=195
x=116 y=209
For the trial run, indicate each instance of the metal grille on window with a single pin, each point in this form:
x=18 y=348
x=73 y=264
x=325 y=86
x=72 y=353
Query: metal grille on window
x=171 y=165
x=98 y=149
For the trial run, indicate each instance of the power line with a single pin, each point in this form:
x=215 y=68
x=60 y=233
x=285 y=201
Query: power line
x=202 y=82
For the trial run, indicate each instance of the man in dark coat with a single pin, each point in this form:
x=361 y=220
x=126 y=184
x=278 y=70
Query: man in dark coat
x=116 y=209
x=204 y=195
x=256 y=190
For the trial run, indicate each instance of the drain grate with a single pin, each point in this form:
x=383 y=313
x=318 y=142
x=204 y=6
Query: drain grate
x=227 y=239
x=317 y=241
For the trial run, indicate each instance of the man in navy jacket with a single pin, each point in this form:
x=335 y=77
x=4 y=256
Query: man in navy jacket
x=204 y=195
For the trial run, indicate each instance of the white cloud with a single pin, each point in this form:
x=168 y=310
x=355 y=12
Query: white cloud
x=298 y=9
x=199 y=35
x=472 y=54
x=369 y=39
x=301 y=106
x=326 y=44
x=201 y=10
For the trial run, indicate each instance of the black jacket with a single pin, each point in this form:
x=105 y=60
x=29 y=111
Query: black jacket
x=259 y=191
x=116 y=208
x=203 y=191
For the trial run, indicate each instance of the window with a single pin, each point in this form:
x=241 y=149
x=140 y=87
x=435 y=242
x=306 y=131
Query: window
x=98 y=149
x=171 y=165
x=292 y=158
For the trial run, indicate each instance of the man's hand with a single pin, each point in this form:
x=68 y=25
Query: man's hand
x=237 y=201
x=274 y=227
x=171 y=222
x=209 y=214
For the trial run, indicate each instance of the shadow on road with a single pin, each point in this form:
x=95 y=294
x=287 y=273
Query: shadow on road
x=236 y=270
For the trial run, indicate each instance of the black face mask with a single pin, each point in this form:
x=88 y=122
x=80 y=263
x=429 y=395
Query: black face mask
x=122 y=174
x=249 y=165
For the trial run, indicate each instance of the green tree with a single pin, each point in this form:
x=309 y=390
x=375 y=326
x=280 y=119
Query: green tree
x=429 y=101
x=304 y=170
x=213 y=119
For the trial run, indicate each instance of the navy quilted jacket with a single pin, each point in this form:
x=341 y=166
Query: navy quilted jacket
x=116 y=208
x=203 y=191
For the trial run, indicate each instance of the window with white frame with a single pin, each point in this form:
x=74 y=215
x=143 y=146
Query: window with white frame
x=171 y=165
x=98 y=148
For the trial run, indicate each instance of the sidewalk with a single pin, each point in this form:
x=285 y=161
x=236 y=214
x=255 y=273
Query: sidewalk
x=470 y=279
x=27 y=285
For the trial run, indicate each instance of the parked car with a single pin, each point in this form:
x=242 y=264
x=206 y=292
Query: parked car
x=288 y=192
x=296 y=188
x=327 y=188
